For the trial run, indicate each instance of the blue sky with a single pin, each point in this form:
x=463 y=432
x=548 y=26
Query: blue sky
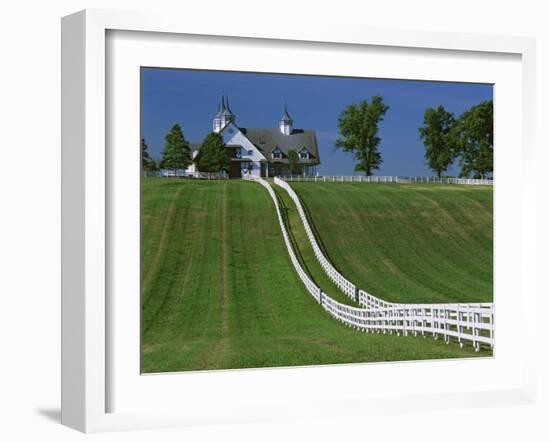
x=191 y=97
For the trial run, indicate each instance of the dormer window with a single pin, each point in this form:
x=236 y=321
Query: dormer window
x=276 y=154
x=304 y=154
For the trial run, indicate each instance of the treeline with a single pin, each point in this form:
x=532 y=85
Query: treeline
x=468 y=137
x=177 y=154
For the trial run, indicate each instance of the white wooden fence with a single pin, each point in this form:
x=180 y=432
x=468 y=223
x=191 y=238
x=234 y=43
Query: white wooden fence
x=465 y=322
x=387 y=179
x=181 y=173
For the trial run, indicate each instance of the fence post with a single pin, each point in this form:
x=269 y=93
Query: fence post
x=459 y=325
x=423 y=322
x=491 y=330
x=476 y=331
x=447 y=325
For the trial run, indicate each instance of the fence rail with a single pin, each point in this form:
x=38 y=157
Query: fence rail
x=180 y=173
x=387 y=179
x=472 y=322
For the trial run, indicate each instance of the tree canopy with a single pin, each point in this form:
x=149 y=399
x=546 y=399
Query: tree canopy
x=147 y=163
x=358 y=127
x=293 y=161
x=472 y=137
x=436 y=135
x=176 y=153
x=213 y=155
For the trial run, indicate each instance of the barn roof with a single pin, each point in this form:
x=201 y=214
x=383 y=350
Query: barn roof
x=267 y=139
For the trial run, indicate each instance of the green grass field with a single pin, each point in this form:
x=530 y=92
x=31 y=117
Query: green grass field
x=219 y=290
x=304 y=250
x=407 y=243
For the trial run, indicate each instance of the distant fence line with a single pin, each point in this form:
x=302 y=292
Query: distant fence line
x=387 y=179
x=465 y=322
x=180 y=173
x=165 y=173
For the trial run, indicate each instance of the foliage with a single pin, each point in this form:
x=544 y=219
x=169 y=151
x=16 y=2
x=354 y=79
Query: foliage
x=176 y=154
x=472 y=138
x=358 y=126
x=293 y=162
x=213 y=156
x=147 y=163
x=435 y=133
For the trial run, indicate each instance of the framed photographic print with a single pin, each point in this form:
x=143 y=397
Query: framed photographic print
x=249 y=216
x=231 y=278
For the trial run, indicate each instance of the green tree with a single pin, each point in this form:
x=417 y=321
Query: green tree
x=293 y=161
x=176 y=153
x=358 y=126
x=213 y=157
x=436 y=135
x=147 y=163
x=472 y=138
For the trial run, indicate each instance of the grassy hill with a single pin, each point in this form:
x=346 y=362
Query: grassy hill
x=407 y=243
x=219 y=290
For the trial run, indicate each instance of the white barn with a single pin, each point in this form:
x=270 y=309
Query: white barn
x=262 y=151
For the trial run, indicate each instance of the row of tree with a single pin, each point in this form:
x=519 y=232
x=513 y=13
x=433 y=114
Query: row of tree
x=468 y=137
x=446 y=138
x=177 y=155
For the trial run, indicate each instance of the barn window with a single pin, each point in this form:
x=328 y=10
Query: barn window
x=276 y=154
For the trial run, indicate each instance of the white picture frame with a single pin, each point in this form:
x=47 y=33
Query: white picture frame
x=86 y=317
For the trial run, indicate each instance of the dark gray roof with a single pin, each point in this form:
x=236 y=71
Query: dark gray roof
x=224 y=107
x=227 y=106
x=220 y=108
x=267 y=139
x=285 y=116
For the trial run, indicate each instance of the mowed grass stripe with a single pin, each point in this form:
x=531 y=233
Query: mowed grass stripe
x=270 y=319
x=406 y=243
x=181 y=306
x=303 y=249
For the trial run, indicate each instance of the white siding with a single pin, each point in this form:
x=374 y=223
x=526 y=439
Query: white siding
x=248 y=152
